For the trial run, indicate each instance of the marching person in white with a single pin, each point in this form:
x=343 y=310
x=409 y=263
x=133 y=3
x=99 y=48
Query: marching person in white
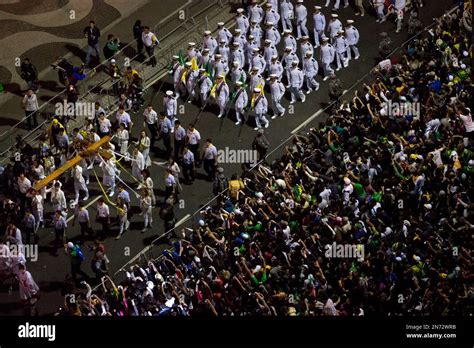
x=146 y=209
x=287 y=14
x=138 y=164
x=256 y=12
x=319 y=25
x=310 y=70
x=239 y=37
x=296 y=83
x=257 y=62
x=205 y=57
x=223 y=34
x=109 y=170
x=260 y=107
x=209 y=42
x=192 y=52
x=257 y=32
x=220 y=66
x=241 y=21
x=288 y=57
x=249 y=47
x=289 y=40
x=205 y=85
x=189 y=82
x=352 y=36
x=256 y=80
x=327 y=57
x=122 y=139
x=301 y=17
x=399 y=10
x=336 y=4
x=171 y=105
x=272 y=33
x=268 y=52
x=237 y=73
x=79 y=184
x=224 y=50
x=379 y=6
x=221 y=94
x=341 y=46
x=277 y=89
x=334 y=26
x=241 y=101
x=176 y=72
x=237 y=54
x=305 y=46
x=271 y=14
x=276 y=68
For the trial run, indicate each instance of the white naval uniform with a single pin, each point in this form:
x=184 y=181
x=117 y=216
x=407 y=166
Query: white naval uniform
x=277 y=69
x=341 y=46
x=290 y=41
x=301 y=15
x=260 y=108
x=287 y=60
x=296 y=83
x=241 y=102
x=310 y=70
x=222 y=95
x=319 y=27
x=334 y=26
x=352 y=36
x=327 y=57
x=277 y=89
x=242 y=22
x=287 y=9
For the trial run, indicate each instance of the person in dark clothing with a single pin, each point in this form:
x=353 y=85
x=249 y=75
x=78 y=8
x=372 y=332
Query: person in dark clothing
x=112 y=46
x=29 y=74
x=77 y=257
x=92 y=33
x=260 y=144
x=137 y=34
x=168 y=217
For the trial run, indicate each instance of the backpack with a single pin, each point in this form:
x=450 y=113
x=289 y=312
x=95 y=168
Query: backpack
x=79 y=254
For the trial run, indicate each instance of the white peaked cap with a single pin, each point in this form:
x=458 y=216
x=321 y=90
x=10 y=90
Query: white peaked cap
x=170 y=93
x=240 y=10
x=257 y=90
x=350 y=21
x=192 y=44
x=295 y=62
x=334 y=15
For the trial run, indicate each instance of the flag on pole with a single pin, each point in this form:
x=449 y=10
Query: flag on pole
x=194 y=64
x=181 y=58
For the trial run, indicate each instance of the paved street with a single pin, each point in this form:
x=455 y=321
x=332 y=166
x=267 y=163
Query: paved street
x=49 y=271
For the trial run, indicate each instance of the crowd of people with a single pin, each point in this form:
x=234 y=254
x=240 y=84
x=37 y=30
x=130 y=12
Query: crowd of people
x=390 y=172
x=380 y=173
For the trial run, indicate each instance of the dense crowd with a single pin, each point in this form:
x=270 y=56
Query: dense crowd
x=380 y=174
